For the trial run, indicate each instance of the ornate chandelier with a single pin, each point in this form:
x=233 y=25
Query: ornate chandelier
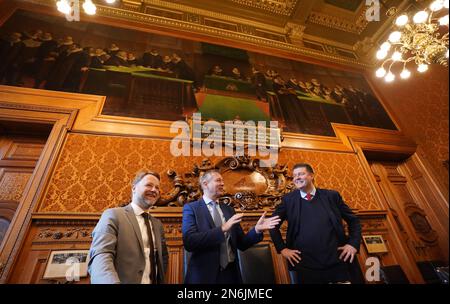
x=422 y=40
x=65 y=7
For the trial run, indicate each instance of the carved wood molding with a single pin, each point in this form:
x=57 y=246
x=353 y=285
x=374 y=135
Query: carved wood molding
x=373 y=221
x=271 y=184
x=282 y=7
x=351 y=26
x=52 y=232
x=63 y=230
x=421 y=225
x=22 y=104
x=63 y=235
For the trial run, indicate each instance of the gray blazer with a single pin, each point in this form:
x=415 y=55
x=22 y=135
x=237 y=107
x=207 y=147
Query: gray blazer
x=117 y=250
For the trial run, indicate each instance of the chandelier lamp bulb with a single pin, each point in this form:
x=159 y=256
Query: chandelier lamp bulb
x=420 y=40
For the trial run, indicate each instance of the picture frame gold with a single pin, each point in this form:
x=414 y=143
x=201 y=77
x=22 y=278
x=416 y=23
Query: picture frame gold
x=374 y=243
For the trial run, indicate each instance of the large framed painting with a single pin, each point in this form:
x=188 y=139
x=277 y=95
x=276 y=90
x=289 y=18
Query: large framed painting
x=153 y=76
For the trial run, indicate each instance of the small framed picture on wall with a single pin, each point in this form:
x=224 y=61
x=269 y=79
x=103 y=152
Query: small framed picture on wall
x=69 y=264
x=374 y=244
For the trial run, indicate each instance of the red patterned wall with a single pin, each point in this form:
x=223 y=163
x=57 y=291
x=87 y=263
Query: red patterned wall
x=421 y=106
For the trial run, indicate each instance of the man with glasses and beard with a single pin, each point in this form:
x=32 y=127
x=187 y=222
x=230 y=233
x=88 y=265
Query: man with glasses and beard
x=128 y=244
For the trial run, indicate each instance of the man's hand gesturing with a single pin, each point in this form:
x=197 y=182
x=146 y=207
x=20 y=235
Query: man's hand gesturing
x=233 y=220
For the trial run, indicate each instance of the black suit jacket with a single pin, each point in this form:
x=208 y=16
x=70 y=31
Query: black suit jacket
x=116 y=61
x=336 y=209
x=151 y=61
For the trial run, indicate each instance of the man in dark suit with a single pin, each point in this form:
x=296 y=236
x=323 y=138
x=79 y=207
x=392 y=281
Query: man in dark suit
x=152 y=59
x=113 y=50
x=236 y=74
x=119 y=60
x=259 y=82
x=167 y=64
x=99 y=59
x=132 y=61
x=77 y=63
x=128 y=244
x=10 y=50
x=316 y=246
x=181 y=68
x=212 y=234
x=45 y=59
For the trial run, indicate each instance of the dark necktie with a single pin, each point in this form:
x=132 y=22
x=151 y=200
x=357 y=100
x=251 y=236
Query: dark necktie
x=224 y=245
x=308 y=196
x=152 y=248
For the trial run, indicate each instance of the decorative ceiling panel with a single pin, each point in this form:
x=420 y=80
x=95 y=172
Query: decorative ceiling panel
x=335 y=22
x=350 y=5
x=334 y=29
x=281 y=7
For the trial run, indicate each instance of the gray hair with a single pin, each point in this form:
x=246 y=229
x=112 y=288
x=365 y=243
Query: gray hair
x=206 y=176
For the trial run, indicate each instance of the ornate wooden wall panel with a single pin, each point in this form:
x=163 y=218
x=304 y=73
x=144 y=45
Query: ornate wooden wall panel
x=94 y=172
x=43 y=237
x=13 y=182
x=421 y=108
x=426 y=199
x=378 y=223
x=50 y=234
x=416 y=238
x=18 y=157
x=420 y=237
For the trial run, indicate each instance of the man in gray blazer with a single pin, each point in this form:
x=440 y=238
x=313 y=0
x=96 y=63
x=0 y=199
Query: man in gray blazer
x=128 y=244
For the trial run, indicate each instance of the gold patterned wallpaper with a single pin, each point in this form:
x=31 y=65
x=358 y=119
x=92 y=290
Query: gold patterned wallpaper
x=421 y=106
x=94 y=172
x=337 y=171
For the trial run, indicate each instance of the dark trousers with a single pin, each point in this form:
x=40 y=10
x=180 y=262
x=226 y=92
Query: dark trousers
x=335 y=274
x=229 y=275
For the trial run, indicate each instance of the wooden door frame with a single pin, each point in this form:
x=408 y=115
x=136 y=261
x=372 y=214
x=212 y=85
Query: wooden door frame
x=398 y=153
x=430 y=199
x=36 y=106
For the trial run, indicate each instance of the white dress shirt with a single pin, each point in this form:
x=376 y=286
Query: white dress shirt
x=313 y=193
x=207 y=202
x=138 y=212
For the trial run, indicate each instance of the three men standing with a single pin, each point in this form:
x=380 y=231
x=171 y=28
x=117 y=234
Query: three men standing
x=129 y=245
